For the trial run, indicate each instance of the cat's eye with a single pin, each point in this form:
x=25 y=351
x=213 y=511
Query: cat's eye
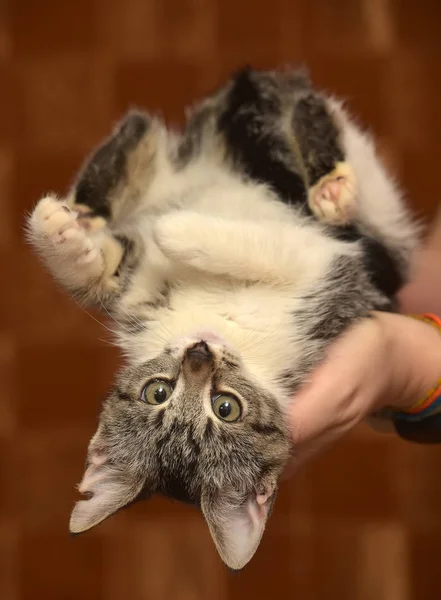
x=227 y=408
x=156 y=392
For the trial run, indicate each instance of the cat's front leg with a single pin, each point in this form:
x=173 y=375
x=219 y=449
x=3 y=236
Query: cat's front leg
x=84 y=262
x=245 y=250
x=206 y=243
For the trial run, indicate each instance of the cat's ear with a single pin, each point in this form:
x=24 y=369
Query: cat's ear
x=109 y=488
x=237 y=526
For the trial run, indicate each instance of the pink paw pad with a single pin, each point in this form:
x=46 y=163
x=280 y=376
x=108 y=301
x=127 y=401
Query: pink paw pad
x=333 y=199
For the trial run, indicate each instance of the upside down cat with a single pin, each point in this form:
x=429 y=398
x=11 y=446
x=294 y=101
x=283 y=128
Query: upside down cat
x=229 y=256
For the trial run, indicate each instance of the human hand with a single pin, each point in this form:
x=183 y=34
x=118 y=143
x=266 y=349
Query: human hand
x=386 y=360
x=423 y=293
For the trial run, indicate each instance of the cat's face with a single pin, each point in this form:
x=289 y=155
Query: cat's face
x=191 y=425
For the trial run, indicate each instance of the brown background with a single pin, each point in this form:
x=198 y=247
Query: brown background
x=362 y=522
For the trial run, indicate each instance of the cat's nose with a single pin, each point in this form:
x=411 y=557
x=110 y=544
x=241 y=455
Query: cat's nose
x=198 y=360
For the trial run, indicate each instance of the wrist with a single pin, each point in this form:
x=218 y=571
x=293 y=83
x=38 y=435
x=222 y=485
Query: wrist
x=414 y=350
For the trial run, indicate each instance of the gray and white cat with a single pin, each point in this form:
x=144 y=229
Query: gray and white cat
x=229 y=256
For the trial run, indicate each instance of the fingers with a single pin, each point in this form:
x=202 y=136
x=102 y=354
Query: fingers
x=339 y=394
x=319 y=416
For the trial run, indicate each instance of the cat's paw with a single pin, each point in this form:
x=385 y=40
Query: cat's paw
x=181 y=235
x=333 y=198
x=55 y=232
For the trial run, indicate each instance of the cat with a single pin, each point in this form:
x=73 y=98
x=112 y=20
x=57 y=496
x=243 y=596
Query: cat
x=229 y=256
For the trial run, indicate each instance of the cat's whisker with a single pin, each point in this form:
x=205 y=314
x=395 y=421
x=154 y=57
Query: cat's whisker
x=115 y=319
x=132 y=315
x=167 y=331
x=110 y=343
x=94 y=318
x=256 y=338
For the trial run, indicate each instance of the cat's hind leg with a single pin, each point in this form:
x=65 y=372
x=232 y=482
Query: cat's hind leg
x=116 y=178
x=332 y=184
x=88 y=238
x=333 y=198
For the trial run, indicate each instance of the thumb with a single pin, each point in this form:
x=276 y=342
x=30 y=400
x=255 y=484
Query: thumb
x=323 y=411
x=315 y=424
x=311 y=415
x=323 y=404
x=333 y=401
